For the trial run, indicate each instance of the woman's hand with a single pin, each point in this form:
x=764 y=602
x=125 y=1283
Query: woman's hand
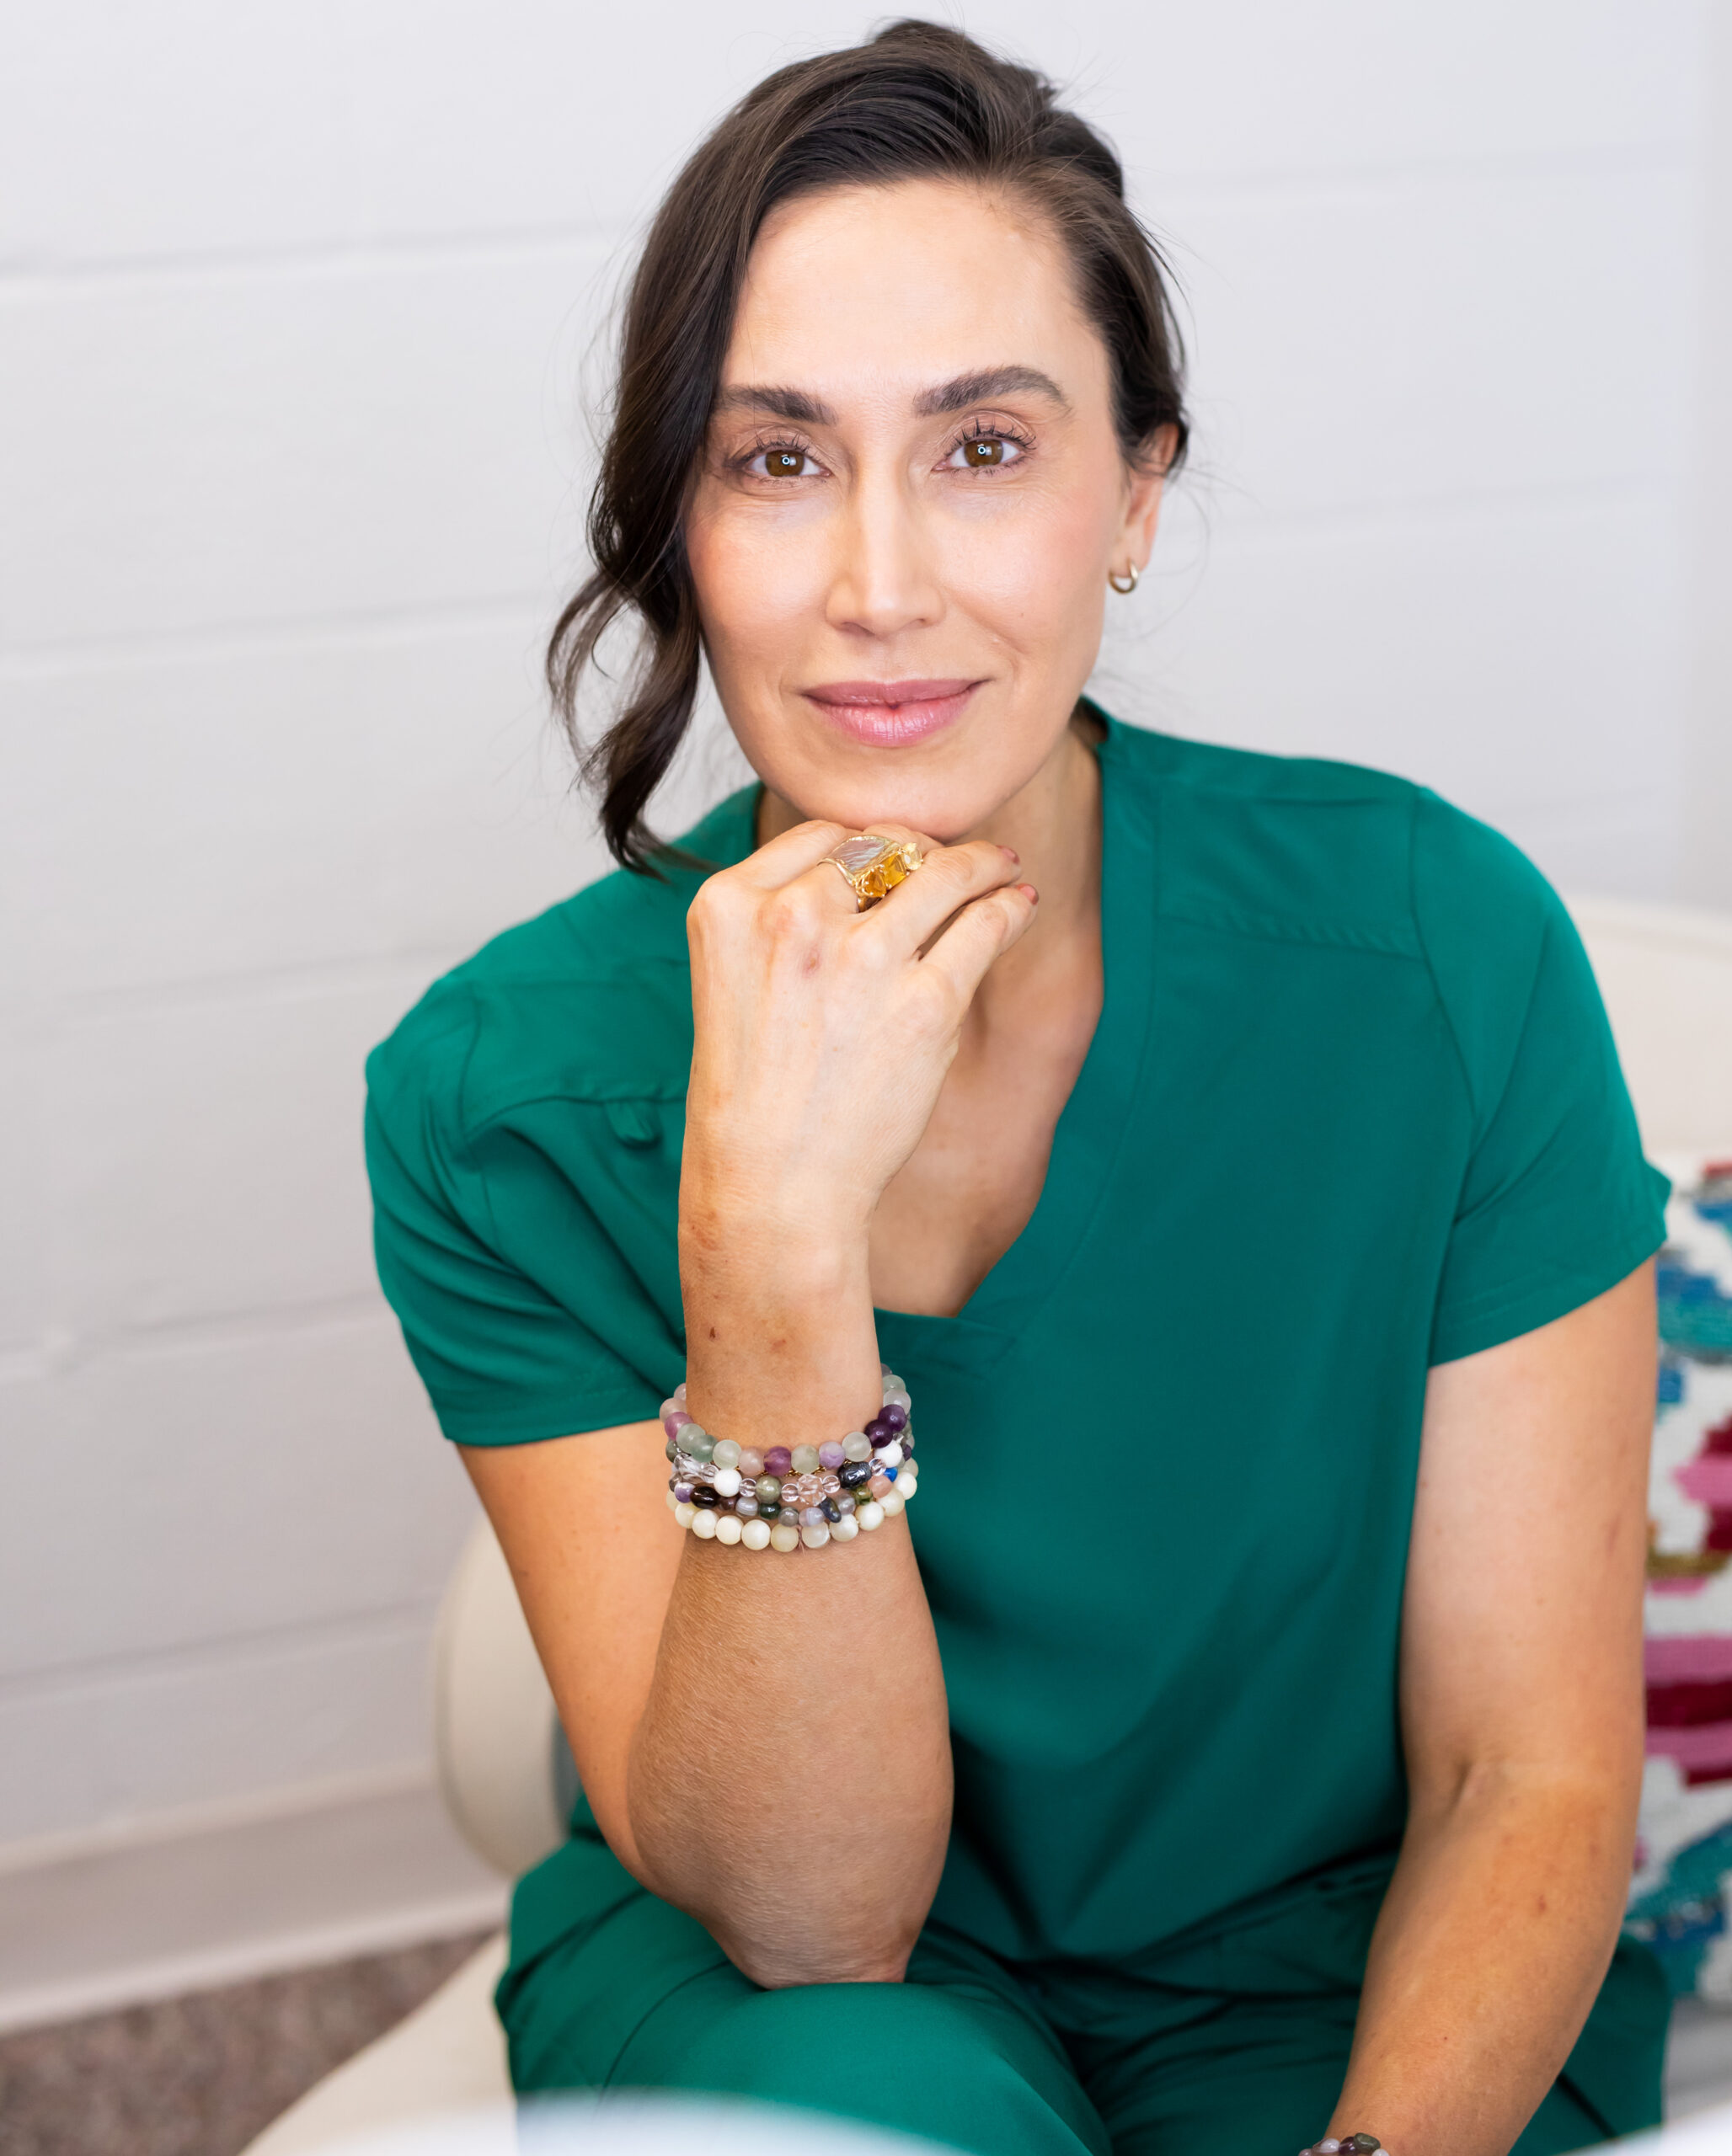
x=822 y=1034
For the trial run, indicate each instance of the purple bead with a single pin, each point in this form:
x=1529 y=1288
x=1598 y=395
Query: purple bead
x=810 y=1516
x=879 y=1431
x=895 y=1416
x=830 y=1455
x=682 y=1493
x=674 y=1422
x=777 y=1461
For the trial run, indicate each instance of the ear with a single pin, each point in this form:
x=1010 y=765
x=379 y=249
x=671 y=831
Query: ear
x=1142 y=501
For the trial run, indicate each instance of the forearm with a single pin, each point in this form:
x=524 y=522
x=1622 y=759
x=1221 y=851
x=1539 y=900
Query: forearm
x=790 y=1780
x=1496 y=1931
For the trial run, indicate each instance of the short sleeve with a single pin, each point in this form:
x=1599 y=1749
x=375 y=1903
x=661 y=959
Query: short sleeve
x=505 y=1359
x=1556 y=1204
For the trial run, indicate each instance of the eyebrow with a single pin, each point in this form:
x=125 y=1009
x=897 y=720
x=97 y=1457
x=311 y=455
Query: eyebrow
x=779 y=402
x=985 y=388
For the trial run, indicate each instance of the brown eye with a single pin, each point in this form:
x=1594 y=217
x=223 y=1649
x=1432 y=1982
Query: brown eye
x=781 y=463
x=984 y=453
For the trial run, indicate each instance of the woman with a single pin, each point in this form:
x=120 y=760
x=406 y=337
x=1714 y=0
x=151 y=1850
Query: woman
x=1245 y=1744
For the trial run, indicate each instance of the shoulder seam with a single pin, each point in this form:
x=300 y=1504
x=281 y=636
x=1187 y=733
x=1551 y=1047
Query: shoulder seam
x=1449 y=1016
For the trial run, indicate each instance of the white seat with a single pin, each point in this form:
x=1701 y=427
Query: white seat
x=1666 y=975
x=448 y=2056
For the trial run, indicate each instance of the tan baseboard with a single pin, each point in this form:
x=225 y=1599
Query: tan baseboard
x=151 y=1908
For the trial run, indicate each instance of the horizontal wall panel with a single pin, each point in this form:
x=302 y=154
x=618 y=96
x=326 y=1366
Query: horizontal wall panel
x=206 y=454
x=1435 y=339
x=390 y=119
x=322 y=803
x=207 y=1495
x=205 y=1157
x=97 y=1754
x=23 y=1202
x=1510 y=656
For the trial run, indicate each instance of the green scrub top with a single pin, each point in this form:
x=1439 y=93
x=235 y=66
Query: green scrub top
x=1352 y=1109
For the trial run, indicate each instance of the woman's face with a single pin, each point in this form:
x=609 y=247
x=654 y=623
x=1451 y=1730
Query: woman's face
x=910 y=496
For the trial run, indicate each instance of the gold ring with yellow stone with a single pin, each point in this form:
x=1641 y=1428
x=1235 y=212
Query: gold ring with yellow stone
x=872 y=865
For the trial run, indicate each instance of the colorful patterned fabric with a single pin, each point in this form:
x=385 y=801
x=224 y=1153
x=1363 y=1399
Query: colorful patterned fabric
x=1681 y=1899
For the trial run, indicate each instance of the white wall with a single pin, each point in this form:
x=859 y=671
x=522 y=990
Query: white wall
x=1708 y=846
x=292 y=307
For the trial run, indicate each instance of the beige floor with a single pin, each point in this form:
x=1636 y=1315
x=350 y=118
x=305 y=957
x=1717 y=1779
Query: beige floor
x=200 y=2076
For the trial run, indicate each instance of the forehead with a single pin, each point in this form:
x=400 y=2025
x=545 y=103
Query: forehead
x=907 y=285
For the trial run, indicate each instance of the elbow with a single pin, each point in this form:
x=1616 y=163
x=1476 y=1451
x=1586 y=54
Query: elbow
x=785 y=1962
x=781 y=1944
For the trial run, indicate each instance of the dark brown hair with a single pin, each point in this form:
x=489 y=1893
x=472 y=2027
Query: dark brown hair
x=917 y=101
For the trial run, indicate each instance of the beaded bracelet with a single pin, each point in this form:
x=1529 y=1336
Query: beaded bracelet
x=1349 y=2144
x=797 y=1499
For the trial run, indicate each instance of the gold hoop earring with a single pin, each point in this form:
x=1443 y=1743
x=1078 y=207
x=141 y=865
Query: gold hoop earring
x=1126 y=584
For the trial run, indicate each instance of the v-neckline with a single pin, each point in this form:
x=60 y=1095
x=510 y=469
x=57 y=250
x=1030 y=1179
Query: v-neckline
x=1092 y=1125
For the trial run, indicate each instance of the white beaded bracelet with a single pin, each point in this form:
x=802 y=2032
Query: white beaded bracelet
x=791 y=1499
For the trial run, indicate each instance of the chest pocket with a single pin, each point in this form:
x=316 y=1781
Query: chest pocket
x=634 y=1123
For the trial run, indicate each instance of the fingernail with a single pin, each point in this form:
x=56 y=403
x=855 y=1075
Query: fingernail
x=1010 y=853
x=1029 y=892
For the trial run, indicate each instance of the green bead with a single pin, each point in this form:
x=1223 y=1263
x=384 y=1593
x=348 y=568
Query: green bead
x=697 y=1445
x=769 y=1489
x=726 y=1452
x=805 y=1459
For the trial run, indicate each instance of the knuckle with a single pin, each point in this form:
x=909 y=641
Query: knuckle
x=820 y=831
x=790 y=914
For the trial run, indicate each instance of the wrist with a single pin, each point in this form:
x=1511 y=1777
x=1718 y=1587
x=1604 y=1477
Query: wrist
x=794 y=1244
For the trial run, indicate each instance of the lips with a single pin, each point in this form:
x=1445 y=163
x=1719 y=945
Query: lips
x=891 y=714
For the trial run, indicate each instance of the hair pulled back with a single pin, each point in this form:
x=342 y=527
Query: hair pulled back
x=918 y=101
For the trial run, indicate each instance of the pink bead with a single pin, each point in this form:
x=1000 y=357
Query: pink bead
x=830 y=1455
x=752 y=1463
x=880 y=1486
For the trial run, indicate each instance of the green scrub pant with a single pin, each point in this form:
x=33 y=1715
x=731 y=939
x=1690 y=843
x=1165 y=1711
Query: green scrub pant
x=609 y=1987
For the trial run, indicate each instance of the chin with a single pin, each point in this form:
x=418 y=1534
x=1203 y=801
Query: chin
x=947 y=791
x=944 y=812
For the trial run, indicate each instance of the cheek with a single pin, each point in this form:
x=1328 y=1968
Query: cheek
x=753 y=576
x=1035 y=577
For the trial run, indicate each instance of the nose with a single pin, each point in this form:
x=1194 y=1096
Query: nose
x=884 y=577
